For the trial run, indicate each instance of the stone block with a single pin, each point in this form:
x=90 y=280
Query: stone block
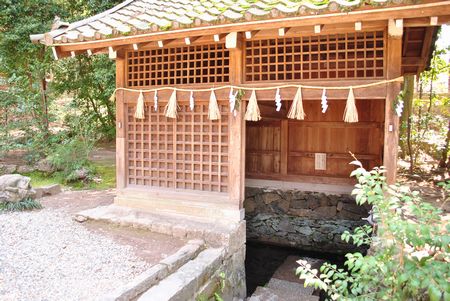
x=182 y=256
x=52 y=189
x=313 y=203
x=325 y=212
x=270 y=197
x=179 y=231
x=24 y=169
x=138 y=285
x=301 y=212
x=250 y=205
x=7 y=169
x=299 y=204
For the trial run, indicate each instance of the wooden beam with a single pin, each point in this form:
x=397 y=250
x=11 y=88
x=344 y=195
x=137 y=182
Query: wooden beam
x=121 y=148
x=112 y=53
x=391 y=126
x=231 y=40
x=318 y=28
x=433 y=21
x=284 y=147
x=283 y=31
x=236 y=149
x=426 y=21
x=190 y=40
x=55 y=53
x=440 y=8
x=395 y=27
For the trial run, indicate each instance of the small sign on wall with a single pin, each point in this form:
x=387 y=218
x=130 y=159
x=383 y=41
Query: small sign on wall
x=320 y=161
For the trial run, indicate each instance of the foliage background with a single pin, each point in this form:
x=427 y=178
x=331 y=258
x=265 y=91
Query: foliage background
x=28 y=108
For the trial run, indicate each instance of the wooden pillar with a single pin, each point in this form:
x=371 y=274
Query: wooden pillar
x=236 y=148
x=121 y=172
x=391 y=126
x=284 y=146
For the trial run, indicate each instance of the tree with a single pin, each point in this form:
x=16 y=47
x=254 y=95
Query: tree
x=90 y=81
x=27 y=66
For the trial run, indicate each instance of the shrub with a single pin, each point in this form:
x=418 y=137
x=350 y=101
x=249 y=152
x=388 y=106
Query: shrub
x=26 y=204
x=71 y=156
x=409 y=255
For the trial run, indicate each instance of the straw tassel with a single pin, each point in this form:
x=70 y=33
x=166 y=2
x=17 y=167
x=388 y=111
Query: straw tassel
x=112 y=98
x=296 y=111
x=351 y=113
x=253 y=113
x=213 y=111
x=139 y=114
x=171 y=108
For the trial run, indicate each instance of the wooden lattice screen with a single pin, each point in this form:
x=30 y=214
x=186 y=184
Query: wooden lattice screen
x=349 y=55
x=190 y=152
x=198 y=64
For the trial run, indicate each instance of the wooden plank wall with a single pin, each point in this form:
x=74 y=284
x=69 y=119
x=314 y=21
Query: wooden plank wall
x=318 y=133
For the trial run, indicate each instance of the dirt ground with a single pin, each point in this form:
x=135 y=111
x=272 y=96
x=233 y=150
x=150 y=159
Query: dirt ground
x=151 y=247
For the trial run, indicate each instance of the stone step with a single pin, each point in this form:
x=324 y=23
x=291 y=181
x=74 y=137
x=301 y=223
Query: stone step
x=188 y=279
x=268 y=294
x=212 y=206
x=286 y=271
x=215 y=234
x=287 y=288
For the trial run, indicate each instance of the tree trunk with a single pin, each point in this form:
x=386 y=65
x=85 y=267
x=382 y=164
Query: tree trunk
x=444 y=157
x=408 y=95
x=44 y=106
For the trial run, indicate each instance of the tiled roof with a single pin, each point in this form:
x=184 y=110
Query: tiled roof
x=142 y=16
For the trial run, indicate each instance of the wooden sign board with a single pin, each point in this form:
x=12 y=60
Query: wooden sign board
x=320 y=161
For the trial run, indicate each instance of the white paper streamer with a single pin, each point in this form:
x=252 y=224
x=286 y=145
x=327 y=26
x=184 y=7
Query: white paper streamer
x=155 y=101
x=232 y=98
x=399 y=108
x=324 y=101
x=191 y=101
x=278 y=100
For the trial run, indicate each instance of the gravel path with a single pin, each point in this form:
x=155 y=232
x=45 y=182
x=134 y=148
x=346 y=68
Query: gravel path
x=44 y=255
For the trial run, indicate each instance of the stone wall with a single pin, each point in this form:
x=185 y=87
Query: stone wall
x=305 y=220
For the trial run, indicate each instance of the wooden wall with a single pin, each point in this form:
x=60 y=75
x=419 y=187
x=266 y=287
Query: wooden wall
x=278 y=148
x=193 y=152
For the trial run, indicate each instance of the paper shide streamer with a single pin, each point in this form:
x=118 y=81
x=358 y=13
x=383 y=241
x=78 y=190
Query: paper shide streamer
x=324 y=101
x=278 y=100
x=191 y=101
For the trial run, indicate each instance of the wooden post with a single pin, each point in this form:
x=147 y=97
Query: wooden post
x=391 y=125
x=284 y=146
x=121 y=173
x=236 y=152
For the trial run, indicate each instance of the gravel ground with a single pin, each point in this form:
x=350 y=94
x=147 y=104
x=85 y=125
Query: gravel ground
x=44 y=255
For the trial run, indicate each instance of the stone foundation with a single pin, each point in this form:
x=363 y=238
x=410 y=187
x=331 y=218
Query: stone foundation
x=305 y=220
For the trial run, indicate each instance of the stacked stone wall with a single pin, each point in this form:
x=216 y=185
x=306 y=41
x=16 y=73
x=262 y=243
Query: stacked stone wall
x=306 y=220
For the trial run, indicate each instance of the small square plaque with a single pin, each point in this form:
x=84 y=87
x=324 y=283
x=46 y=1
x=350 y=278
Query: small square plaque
x=320 y=161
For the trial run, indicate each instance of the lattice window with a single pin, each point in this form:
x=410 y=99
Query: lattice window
x=349 y=55
x=190 y=152
x=178 y=65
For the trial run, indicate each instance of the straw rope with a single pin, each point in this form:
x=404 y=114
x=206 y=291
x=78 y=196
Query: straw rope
x=398 y=79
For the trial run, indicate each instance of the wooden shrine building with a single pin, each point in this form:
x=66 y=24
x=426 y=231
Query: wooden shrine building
x=191 y=75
